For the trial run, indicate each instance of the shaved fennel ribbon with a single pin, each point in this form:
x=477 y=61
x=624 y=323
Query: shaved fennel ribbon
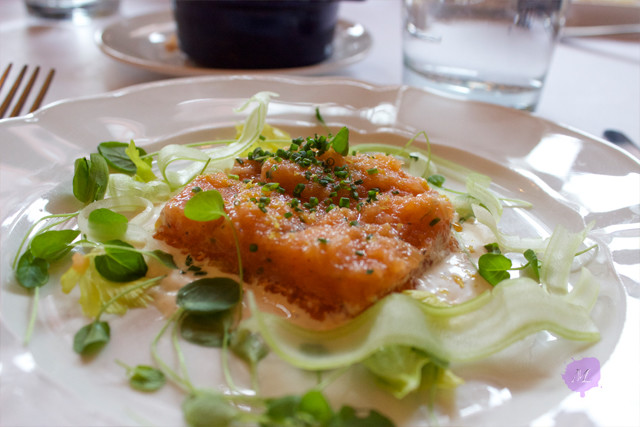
x=462 y=333
x=222 y=157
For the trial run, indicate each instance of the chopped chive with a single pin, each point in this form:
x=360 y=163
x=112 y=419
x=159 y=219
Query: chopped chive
x=271 y=186
x=322 y=240
x=253 y=247
x=313 y=202
x=372 y=171
x=434 y=221
x=360 y=253
x=299 y=188
x=344 y=202
x=370 y=271
x=196 y=189
x=288 y=215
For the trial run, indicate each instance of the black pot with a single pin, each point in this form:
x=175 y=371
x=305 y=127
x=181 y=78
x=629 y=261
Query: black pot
x=254 y=34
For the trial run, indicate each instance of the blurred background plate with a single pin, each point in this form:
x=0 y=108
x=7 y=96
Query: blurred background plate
x=149 y=42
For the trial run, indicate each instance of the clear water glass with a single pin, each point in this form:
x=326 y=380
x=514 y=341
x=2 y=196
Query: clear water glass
x=71 y=9
x=495 y=51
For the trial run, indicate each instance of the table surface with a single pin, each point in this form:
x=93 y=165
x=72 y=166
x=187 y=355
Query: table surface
x=593 y=83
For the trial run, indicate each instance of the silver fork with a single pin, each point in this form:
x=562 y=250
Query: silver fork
x=17 y=108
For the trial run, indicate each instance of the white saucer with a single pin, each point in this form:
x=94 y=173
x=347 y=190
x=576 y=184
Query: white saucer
x=146 y=41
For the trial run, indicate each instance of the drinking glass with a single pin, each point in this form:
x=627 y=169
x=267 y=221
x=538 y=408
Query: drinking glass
x=69 y=9
x=495 y=51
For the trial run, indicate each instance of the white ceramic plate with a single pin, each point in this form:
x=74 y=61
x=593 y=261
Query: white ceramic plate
x=142 y=42
x=571 y=178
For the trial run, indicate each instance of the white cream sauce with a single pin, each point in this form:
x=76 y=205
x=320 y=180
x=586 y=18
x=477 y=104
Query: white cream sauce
x=452 y=281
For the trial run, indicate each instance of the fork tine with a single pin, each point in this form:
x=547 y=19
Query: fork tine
x=43 y=91
x=4 y=75
x=12 y=92
x=25 y=92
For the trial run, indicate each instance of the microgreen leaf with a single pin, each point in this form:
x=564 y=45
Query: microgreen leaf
x=205 y=206
x=53 y=244
x=208 y=206
x=143 y=168
x=399 y=368
x=319 y=117
x=312 y=409
x=32 y=272
x=316 y=406
x=436 y=180
x=145 y=378
x=209 y=295
x=534 y=263
x=165 y=258
x=249 y=346
x=340 y=142
x=206 y=408
x=493 y=267
x=107 y=224
x=90 y=178
x=493 y=248
x=207 y=330
x=91 y=338
x=116 y=157
x=281 y=409
x=120 y=265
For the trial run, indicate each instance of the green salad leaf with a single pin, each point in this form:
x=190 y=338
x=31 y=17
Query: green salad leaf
x=53 y=244
x=340 y=142
x=144 y=377
x=204 y=408
x=119 y=264
x=205 y=206
x=209 y=295
x=91 y=338
x=106 y=224
x=399 y=368
x=143 y=167
x=90 y=178
x=32 y=272
x=493 y=267
x=114 y=152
